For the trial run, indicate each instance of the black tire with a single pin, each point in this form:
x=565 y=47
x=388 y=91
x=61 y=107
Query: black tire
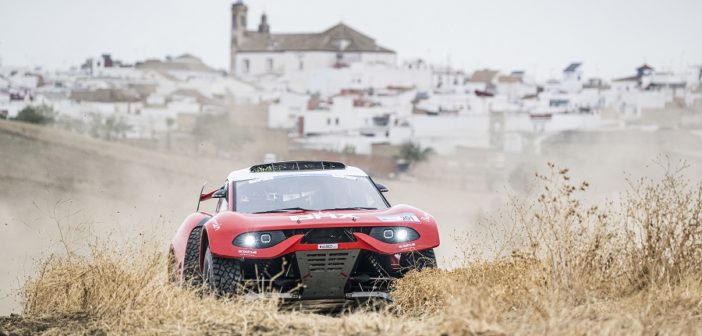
x=191 y=264
x=221 y=275
x=417 y=260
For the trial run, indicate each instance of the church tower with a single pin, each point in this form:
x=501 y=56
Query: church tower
x=264 y=27
x=238 y=32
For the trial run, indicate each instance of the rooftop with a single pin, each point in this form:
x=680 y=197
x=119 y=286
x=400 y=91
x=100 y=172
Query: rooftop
x=627 y=79
x=483 y=76
x=572 y=67
x=337 y=38
x=185 y=62
x=509 y=79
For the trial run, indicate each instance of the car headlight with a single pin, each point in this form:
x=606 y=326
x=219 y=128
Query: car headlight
x=259 y=239
x=249 y=240
x=394 y=235
x=401 y=235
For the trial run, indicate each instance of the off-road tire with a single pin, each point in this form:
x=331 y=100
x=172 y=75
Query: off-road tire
x=191 y=264
x=222 y=276
x=417 y=260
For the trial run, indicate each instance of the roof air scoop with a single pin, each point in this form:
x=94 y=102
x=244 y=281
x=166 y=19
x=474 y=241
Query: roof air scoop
x=296 y=166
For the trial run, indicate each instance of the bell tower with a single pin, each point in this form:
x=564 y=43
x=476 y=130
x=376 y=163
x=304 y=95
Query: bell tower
x=238 y=33
x=264 y=27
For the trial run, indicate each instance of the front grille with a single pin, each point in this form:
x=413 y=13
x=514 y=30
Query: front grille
x=293 y=232
x=324 y=273
x=329 y=261
x=328 y=236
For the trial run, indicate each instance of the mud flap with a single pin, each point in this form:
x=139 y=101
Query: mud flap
x=325 y=273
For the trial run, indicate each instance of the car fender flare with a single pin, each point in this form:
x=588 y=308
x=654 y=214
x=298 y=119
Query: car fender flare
x=180 y=240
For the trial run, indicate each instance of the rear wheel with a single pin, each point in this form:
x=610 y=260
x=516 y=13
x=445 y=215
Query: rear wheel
x=223 y=276
x=191 y=264
x=417 y=260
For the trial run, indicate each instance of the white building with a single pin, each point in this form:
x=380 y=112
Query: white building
x=448 y=80
x=259 y=52
x=329 y=81
x=516 y=86
x=571 y=82
x=483 y=82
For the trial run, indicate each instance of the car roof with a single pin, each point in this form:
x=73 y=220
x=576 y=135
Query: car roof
x=294 y=168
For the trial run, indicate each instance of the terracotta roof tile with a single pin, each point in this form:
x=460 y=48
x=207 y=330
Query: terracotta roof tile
x=337 y=38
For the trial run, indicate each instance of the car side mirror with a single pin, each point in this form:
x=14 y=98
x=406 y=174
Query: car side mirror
x=381 y=187
x=220 y=193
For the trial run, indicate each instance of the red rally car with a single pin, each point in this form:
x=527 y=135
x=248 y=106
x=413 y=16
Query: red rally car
x=305 y=230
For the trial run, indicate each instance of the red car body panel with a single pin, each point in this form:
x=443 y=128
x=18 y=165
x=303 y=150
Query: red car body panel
x=180 y=240
x=221 y=229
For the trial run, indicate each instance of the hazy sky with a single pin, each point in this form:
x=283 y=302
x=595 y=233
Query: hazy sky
x=540 y=36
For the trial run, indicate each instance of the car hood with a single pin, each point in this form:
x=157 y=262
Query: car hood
x=396 y=215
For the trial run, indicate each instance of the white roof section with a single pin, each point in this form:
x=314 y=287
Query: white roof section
x=246 y=174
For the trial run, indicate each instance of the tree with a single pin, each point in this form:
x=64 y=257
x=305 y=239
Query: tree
x=110 y=128
x=412 y=153
x=349 y=149
x=116 y=127
x=169 y=124
x=220 y=131
x=40 y=115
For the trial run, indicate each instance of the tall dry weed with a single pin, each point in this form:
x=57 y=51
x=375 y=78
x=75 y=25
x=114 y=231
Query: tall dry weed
x=629 y=265
x=664 y=229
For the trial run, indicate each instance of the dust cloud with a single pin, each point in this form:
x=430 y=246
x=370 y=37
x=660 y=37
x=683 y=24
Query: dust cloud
x=58 y=187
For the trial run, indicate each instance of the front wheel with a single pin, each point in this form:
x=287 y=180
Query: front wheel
x=191 y=264
x=221 y=275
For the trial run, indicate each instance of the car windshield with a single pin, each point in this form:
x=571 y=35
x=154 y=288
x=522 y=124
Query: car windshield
x=307 y=192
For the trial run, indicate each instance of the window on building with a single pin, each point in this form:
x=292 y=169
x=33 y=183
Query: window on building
x=302 y=65
x=269 y=64
x=336 y=121
x=328 y=121
x=247 y=66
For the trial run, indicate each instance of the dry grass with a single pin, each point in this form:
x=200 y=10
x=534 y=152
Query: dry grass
x=563 y=267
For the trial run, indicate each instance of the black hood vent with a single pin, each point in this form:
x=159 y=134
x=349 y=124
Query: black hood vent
x=328 y=236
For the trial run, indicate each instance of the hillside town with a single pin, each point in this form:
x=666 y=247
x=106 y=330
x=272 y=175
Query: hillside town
x=338 y=91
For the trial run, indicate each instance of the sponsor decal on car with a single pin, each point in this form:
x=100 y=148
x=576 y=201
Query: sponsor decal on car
x=406 y=246
x=426 y=217
x=247 y=251
x=403 y=217
x=320 y=215
x=327 y=246
x=216 y=225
